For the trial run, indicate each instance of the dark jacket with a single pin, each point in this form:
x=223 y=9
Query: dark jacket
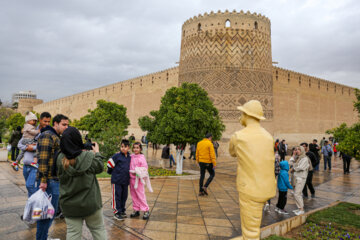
x=15 y=138
x=345 y=156
x=314 y=160
x=120 y=173
x=314 y=149
x=283 y=178
x=165 y=154
x=79 y=189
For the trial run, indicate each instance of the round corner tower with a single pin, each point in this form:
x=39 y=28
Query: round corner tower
x=229 y=55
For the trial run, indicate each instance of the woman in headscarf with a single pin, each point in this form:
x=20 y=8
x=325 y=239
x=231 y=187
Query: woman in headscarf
x=300 y=169
x=80 y=197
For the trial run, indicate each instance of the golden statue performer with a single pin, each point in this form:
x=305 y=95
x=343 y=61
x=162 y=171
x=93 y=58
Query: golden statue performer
x=254 y=148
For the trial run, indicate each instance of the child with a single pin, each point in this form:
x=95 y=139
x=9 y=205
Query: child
x=28 y=138
x=283 y=185
x=138 y=194
x=119 y=166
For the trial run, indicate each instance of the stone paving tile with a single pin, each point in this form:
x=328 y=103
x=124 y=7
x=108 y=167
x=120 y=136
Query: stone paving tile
x=177 y=212
x=187 y=236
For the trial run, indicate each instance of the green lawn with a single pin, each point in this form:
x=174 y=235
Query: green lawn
x=339 y=222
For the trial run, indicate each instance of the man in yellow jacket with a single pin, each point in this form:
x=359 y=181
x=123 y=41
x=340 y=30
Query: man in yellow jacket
x=254 y=148
x=205 y=156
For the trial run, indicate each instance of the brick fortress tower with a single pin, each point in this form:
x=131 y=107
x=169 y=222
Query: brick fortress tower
x=229 y=55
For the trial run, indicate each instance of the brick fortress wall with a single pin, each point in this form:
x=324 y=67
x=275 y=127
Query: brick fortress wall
x=233 y=63
x=139 y=95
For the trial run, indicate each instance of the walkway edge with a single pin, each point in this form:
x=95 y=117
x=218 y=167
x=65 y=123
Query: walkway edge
x=281 y=228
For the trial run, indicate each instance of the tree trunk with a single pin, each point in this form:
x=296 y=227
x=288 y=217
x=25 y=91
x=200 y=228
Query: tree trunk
x=179 y=161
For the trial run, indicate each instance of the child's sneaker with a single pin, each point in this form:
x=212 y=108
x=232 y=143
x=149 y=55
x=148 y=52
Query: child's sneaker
x=118 y=216
x=123 y=214
x=15 y=166
x=135 y=214
x=35 y=165
x=146 y=215
x=277 y=209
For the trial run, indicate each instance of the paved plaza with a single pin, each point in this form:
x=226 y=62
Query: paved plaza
x=177 y=212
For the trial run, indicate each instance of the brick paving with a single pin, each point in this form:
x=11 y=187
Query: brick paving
x=177 y=212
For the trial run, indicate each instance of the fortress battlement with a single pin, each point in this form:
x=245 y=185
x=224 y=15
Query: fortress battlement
x=226 y=13
x=307 y=80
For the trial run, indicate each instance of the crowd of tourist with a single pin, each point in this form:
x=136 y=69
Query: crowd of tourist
x=297 y=172
x=55 y=161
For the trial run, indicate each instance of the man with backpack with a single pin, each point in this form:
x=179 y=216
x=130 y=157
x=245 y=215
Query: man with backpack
x=327 y=152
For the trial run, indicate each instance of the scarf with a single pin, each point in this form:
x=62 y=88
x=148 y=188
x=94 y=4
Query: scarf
x=71 y=143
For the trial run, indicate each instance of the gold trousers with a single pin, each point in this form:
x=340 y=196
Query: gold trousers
x=251 y=210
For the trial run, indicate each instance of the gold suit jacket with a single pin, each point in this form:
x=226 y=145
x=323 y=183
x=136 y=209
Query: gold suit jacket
x=254 y=148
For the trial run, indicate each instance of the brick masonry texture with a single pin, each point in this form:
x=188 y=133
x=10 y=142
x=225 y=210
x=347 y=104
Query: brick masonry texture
x=229 y=55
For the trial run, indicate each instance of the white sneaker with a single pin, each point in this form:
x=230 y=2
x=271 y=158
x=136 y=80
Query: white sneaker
x=295 y=210
x=283 y=212
x=267 y=207
x=277 y=209
x=299 y=212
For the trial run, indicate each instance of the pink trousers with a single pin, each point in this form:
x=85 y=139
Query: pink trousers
x=138 y=196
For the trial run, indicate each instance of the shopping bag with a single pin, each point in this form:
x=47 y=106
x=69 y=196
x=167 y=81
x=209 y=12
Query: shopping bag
x=38 y=207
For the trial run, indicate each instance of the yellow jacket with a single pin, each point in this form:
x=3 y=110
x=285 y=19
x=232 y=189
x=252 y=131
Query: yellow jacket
x=205 y=152
x=254 y=148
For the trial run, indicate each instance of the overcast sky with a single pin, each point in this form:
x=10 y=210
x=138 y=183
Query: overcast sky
x=58 y=48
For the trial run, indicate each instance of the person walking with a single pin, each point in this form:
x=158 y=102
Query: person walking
x=313 y=162
x=80 y=196
x=301 y=167
x=193 y=151
x=205 y=157
x=47 y=149
x=327 y=152
x=346 y=162
x=14 y=140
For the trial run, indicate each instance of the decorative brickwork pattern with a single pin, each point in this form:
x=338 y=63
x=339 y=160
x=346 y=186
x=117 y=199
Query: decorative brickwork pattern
x=233 y=64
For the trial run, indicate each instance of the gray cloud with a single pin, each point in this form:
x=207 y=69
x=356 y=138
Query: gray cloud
x=58 y=48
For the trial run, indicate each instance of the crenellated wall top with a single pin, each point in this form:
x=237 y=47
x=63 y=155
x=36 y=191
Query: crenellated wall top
x=234 y=13
x=224 y=21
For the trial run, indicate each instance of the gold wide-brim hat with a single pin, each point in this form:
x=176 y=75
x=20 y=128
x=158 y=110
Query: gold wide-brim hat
x=253 y=108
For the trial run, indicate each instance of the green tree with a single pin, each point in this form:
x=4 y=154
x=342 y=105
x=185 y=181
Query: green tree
x=186 y=114
x=15 y=105
x=357 y=102
x=6 y=112
x=106 y=124
x=14 y=121
x=349 y=137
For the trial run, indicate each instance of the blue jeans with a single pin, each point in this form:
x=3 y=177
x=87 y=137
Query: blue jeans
x=42 y=227
x=30 y=179
x=327 y=161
